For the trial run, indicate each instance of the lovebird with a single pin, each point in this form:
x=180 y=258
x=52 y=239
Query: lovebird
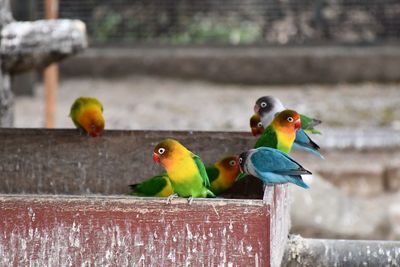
x=281 y=133
x=268 y=106
x=185 y=170
x=272 y=166
x=87 y=115
x=223 y=173
x=156 y=186
x=256 y=125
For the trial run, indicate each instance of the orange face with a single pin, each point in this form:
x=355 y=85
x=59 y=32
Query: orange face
x=230 y=167
x=163 y=153
x=256 y=125
x=93 y=122
x=288 y=119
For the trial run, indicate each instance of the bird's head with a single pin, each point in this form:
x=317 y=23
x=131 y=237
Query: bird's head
x=229 y=164
x=267 y=104
x=257 y=128
x=167 y=151
x=93 y=123
x=288 y=119
x=242 y=160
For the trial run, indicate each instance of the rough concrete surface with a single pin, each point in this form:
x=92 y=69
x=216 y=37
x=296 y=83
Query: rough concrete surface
x=141 y=102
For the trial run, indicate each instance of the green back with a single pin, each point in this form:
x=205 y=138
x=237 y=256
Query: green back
x=202 y=170
x=212 y=173
x=79 y=104
x=267 y=139
x=308 y=123
x=151 y=186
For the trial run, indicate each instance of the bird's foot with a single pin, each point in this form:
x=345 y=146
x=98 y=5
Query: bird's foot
x=171 y=197
x=190 y=200
x=81 y=131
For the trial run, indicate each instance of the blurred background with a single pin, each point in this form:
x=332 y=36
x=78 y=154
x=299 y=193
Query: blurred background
x=201 y=65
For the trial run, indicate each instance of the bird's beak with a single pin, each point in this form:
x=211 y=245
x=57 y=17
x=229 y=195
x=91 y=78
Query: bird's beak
x=256 y=108
x=156 y=158
x=297 y=124
x=254 y=131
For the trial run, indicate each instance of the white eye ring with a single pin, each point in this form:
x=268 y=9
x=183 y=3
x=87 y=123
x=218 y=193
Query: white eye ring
x=240 y=160
x=263 y=104
x=161 y=150
x=259 y=125
x=290 y=119
x=232 y=163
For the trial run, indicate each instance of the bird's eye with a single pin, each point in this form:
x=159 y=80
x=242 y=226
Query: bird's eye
x=240 y=160
x=161 y=150
x=263 y=104
x=232 y=163
x=290 y=119
x=259 y=125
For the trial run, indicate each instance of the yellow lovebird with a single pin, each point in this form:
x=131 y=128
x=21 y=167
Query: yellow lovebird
x=87 y=115
x=185 y=170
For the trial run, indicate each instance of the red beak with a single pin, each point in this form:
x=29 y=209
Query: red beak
x=297 y=124
x=156 y=158
x=256 y=108
x=255 y=131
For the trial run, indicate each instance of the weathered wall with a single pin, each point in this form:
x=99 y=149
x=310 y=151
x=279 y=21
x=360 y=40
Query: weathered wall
x=111 y=231
x=64 y=162
x=248 y=65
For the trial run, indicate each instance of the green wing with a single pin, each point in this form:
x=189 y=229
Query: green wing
x=267 y=139
x=308 y=123
x=212 y=173
x=150 y=187
x=202 y=170
x=75 y=108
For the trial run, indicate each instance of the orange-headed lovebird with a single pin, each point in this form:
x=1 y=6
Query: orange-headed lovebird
x=281 y=133
x=87 y=115
x=185 y=170
x=268 y=106
x=256 y=125
x=223 y=174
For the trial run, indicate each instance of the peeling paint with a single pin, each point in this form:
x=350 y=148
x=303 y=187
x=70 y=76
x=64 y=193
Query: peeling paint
x=114 y=231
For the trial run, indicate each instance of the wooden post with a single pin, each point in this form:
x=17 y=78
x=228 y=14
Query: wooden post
x=51 y=72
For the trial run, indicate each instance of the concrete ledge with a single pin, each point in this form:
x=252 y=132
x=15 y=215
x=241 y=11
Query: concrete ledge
x=248 y=65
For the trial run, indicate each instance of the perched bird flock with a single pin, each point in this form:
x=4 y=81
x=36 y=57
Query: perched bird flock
x=278 y=131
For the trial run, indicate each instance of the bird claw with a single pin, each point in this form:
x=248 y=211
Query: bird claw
x=171 y=197
x=190 y=200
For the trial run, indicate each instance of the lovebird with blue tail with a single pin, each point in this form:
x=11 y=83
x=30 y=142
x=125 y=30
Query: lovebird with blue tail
x=269 y=107
x=272 y=166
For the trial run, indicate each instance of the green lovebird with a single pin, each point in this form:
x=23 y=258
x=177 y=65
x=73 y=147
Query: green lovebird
x=87 y=115
x=185 y=170
x=281 y=133
x=268 y=106
x=222 y=175
x=156 y=186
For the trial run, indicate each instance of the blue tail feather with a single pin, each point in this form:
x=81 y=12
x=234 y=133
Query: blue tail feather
x=297 y=146
x=297 y=180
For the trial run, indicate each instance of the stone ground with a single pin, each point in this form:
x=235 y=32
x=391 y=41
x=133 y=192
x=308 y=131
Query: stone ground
x=158 y=103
